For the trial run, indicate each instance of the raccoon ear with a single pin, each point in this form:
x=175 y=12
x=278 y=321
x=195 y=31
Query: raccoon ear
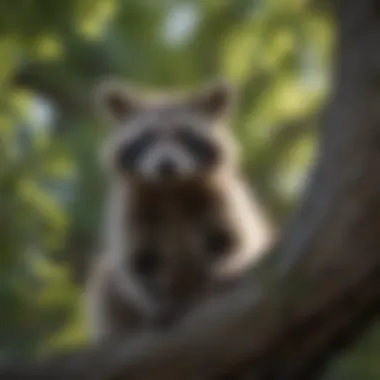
x=215 y=101
x=119 y=102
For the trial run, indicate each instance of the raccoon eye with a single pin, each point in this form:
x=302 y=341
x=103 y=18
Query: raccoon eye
x=130 y=152
x=218 y=242
x=198 y=146
x=146 y=261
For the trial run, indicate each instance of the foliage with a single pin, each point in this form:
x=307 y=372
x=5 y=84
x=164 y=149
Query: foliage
x=276 y=52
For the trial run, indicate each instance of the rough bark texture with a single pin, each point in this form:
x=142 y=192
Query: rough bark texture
x=323 y=287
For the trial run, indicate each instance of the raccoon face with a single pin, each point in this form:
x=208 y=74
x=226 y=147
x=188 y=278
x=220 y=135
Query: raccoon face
x=167 y=140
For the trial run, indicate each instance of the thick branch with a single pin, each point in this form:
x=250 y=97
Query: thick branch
x=316 y=291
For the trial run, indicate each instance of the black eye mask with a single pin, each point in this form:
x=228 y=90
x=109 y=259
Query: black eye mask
x=204 y=151
x=130 y=153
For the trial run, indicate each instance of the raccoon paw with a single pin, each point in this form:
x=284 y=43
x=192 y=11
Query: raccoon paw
x=218 y=242
x=146 y=261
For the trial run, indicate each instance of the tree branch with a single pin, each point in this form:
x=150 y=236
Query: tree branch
x=315 y=292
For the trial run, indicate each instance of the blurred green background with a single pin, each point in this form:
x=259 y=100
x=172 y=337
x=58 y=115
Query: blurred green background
x=52 y=54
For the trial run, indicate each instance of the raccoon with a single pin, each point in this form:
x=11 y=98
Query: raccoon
x=181 y=223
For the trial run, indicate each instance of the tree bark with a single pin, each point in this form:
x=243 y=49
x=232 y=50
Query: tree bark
x=316 y=291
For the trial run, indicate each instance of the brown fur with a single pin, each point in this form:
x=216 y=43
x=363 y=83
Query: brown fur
x=176 y=221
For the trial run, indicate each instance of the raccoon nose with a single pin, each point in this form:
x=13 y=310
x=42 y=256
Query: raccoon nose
x=167 y=168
